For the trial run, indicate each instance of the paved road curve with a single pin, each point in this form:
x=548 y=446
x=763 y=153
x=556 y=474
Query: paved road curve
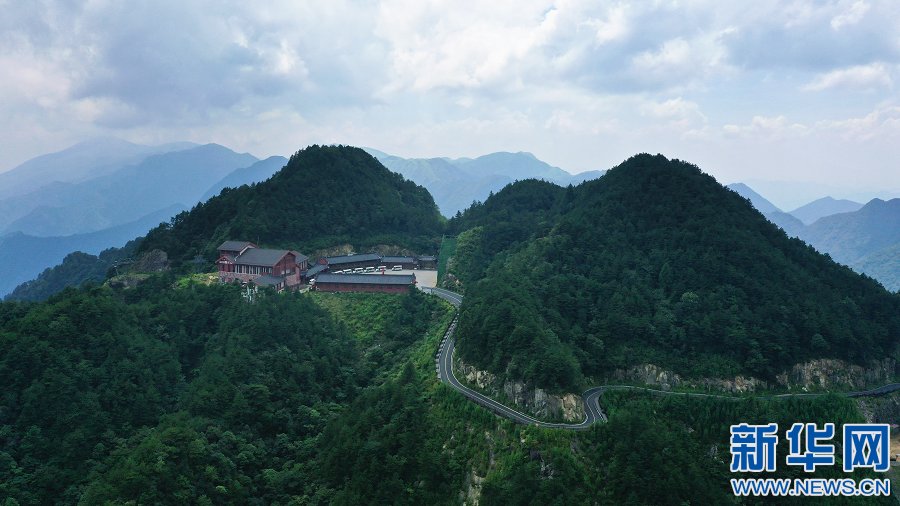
x=591 y=397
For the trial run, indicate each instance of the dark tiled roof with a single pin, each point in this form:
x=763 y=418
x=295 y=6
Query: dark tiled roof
x=300 y=256
x=234 y=245
x=315 y=269
x=366 y=279
x=427 y=258
x=399 y=260
x=347 y=259
x=268 y=280
x=259 y=256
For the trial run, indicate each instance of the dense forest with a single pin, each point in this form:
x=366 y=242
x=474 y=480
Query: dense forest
x=325 y=195
x=179 y=394
x=175 y=393
x=654 y=263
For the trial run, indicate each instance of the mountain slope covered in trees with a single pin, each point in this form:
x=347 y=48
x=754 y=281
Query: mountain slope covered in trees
x=656 y=262
x=173 y=392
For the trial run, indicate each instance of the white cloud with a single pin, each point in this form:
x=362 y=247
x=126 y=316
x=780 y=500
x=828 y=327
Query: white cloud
x=851 y=16
x=677 y=113
x=860 y=77
x=767 y=127
x=614 y=27
x=883 y=122
x=578 y=82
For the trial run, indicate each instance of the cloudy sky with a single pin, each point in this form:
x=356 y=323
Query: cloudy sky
x=774 y=91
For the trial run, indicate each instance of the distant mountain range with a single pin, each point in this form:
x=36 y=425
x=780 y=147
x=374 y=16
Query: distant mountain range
x=825 y=206
x=456 y=183
x=863 y=237
x=125 y=195
x=132 y=190
x=102 y=193
x=83 y=161
x=258 y=172
x=23 y=257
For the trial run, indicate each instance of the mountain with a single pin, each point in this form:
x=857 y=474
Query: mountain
x=883 y=265
x=657 y=263
x=278 y=212
x=23 y=257
x=792 y=226
x=861 y=237
x=324 y=196
x=586 y=176
x=825 y=206
x=457 y=183
x=759 y=202
x=848 y=237
x=521 y=165
x=424 y=171
x=787 y=222
x=76 y=268
x=178 y=391
x=157 y=182
x=795 y=194
x=83 y=161
x=259 y=171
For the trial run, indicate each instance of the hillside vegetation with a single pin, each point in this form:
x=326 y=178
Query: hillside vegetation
x=174 y=392
x=657 y=263
x=193 y=396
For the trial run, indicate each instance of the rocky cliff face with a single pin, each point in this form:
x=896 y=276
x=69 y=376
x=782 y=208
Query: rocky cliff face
x=816 y=375
x=650 y=374
x=536 y=401
x=825 y=374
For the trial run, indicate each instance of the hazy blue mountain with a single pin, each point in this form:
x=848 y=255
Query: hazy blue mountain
x=581 y=177
x=883 y=265
x=787 y=222
x=457 y=182
x=759 y=202
x=157 y=182
x=83 y=161
x=23 y=257
x=424 y=171
x=791 y=225
x=825 y=206
x=521 y=165
x=849 y=237
x=259 y=171
x=794 y=194
x=866 y=239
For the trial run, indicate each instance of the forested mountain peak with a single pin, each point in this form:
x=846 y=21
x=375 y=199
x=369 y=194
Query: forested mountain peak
x=658 y=263
x=325 y=195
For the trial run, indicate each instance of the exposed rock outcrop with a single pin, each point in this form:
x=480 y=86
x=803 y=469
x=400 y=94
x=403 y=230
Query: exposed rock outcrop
x=151 y=261
x=815 y=375
x=824 y=374
x=650 y=374
x=537 y=401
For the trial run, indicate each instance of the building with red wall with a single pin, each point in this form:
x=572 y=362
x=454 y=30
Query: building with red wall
x=386 y=283
x=245 y=262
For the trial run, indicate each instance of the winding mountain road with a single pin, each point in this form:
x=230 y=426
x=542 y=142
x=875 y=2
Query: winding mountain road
x=591 y=397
